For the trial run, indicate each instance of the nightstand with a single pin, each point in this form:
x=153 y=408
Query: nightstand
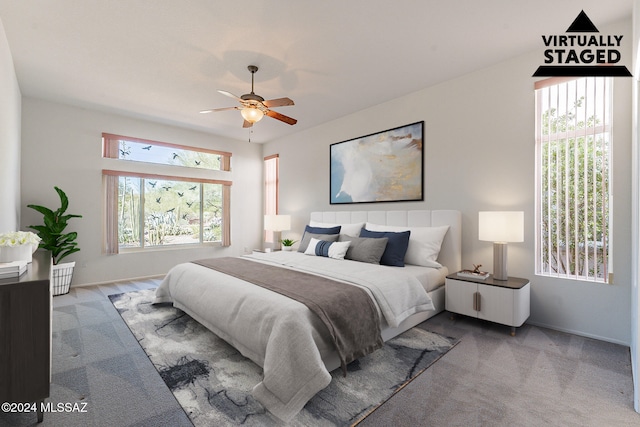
x=501 y=301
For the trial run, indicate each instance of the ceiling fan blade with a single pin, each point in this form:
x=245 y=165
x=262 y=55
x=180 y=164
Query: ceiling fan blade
x=279 y=102
x=247 y=124
x=215 y=110
x=230 y=95
x=281 y=117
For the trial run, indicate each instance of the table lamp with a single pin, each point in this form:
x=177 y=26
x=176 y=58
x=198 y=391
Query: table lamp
x=277 y=224
x=501 y=228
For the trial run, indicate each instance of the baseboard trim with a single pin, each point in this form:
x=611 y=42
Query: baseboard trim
x=580 y=333
x=133 y=279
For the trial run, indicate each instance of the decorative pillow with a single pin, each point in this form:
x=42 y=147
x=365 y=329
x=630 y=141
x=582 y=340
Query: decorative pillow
x=364 y=249
x=335 y=250
x=323 y=230
x=306 y=238
x=424 y=243
x=348 y=229
x=396 y=248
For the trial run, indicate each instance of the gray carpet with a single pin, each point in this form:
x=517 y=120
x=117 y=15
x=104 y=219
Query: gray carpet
x=97 y=361
x=213 y=381
x=539 y=377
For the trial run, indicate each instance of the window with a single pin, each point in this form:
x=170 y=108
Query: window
x=147 y=210
x=573 y=198
x=163 y=153
x=271 y=172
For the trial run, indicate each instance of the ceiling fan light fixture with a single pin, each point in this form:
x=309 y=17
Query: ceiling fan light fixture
x=252 y=114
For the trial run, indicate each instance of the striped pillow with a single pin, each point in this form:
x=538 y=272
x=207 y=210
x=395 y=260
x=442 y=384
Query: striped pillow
x=335 y=250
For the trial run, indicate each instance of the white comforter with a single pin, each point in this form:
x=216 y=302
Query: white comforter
x=280 y=334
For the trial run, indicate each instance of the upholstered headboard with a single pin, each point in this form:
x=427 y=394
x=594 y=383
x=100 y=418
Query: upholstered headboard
x=451 y=250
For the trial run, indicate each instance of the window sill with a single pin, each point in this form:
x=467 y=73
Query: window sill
x=170 y=248
x=573 y=279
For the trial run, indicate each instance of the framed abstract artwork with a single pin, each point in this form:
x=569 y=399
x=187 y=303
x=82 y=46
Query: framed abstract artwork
x=386 y=166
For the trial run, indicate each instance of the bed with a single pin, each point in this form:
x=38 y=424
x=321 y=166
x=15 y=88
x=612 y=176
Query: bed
x=283 y=336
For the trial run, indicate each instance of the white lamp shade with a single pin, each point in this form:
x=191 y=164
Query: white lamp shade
x=277 y=222
x=251 y=114
x=501 y=226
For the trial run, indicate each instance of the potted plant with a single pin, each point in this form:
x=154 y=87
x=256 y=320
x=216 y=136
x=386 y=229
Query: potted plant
x=287 y=244
x=54 y=239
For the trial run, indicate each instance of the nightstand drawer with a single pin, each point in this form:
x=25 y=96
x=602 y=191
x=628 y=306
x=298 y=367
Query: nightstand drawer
x=504 y=302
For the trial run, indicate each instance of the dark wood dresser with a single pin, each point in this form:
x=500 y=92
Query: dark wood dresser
x=25 y=334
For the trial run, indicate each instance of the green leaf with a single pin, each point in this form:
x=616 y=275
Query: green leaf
x=66 y=253
x=41 y=209
x=66 y=218
x=69 y=237
x=64 y=201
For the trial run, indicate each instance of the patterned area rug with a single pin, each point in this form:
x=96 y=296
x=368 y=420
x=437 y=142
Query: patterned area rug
x=212 y=381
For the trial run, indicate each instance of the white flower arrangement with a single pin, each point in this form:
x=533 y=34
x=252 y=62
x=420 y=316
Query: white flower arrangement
x=18 y=238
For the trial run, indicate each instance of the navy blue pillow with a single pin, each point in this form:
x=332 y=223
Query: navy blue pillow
x=323 y=230
x=313 y=232
x=396 y=246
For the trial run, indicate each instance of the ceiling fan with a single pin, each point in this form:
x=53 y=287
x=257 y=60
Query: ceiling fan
x=253 y=107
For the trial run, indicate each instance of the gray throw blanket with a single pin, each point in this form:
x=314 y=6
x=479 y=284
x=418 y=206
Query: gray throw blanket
x=347 y=311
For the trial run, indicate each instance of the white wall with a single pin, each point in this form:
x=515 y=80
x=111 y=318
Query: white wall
x=62 y=146
x=479 y=155
x=10 y=100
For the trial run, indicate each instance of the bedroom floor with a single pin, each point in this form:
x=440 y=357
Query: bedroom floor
x=539 y=377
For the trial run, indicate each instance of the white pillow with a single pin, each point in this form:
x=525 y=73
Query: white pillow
x=335 y=250
x=352 y=230
x=424 y=243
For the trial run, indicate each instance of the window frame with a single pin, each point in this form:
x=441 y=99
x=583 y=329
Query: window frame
x=110 y=146
x=139 y=169
x=271 y=190
x=585 y=250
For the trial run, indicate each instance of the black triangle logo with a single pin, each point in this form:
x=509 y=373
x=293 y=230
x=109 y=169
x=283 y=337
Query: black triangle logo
x=582 y=24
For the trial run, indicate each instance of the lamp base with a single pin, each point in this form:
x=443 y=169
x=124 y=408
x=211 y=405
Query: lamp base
x=500 y=261
x=277 y=244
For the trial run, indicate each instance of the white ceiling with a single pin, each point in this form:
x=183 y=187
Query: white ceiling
x=164 y=60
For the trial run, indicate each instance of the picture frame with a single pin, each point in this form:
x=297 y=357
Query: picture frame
x=386 y=166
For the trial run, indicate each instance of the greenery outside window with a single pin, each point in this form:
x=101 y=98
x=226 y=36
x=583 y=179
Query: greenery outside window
x=155 y=212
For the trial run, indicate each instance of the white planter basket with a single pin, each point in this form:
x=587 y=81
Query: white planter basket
x=61 y=277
